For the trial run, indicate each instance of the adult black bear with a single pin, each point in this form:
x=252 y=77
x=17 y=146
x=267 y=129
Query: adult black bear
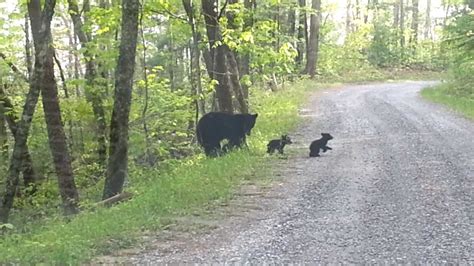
x=214 y=127
x=320 y=144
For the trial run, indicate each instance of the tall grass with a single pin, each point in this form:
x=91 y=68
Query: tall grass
x=185 y=186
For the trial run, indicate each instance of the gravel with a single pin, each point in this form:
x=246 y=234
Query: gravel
x=396 y=188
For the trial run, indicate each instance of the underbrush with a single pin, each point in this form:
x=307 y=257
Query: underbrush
x=174 y=189
x=449 y=95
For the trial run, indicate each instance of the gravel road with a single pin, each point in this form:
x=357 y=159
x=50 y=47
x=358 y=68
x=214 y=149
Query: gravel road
x=396 y=188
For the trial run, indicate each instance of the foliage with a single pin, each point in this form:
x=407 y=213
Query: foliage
x=459 y=39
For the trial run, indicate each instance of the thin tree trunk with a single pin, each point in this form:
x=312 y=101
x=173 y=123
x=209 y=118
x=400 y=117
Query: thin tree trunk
x=357 y=7
x=94 y=96
x=313 y=47
x=29 y=174
x=427 y=31
x=245 y=58
x=414 y=23
x=396 y=14
x=367 y=10
x=117 y=167
x=3 y=133
x=195 y=66
x=402 y=25
x=146 y=89
x=302 y=32
x=235 y=80
x=29 y=60
x=233 y=65
x=348 y=18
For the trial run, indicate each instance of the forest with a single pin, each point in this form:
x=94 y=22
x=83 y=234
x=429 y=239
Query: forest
x=99 y=99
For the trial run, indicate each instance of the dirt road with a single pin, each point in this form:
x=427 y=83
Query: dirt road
x=396 y=188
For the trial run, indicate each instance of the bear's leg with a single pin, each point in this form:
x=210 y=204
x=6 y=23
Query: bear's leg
x=314 y=153
x=212 y=149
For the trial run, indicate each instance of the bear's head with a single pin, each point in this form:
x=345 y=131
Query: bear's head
x=249 y=122
x=326 y=136
x=286 y=139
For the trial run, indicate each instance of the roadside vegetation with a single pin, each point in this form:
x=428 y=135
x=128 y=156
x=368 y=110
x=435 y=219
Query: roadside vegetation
x=457 y=92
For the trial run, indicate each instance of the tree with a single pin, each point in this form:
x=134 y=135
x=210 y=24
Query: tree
x=195 y=56
x=302 y=31
x=218 y=52
x=117 y=167
x=414 y=23
x=92 y=94
x=29 y=174
x=42 y=80
x=427 y=31
x=402 y=25
x=313 y=46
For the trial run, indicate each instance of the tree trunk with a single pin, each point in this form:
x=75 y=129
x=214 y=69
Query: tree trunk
x=348 y=18
x=414 y=24
x=57 y=136
x=313 y=47
x=235 y=81
x=402 y=26
x=218 y=55
x=195 y=67
x=302 y=32
x=93 y=95
x=367 y=10
x=245 y=58
x=233 y=66
x=3 y=133
x=117 y=168
x=40 y=26
x=427 y=31
x=396 y=14
x=224 y=96
x=29 y=60
x=29 y=174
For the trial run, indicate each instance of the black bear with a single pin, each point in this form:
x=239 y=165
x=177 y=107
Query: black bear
x=278 y=144
x=214 y=127
x=320 y=144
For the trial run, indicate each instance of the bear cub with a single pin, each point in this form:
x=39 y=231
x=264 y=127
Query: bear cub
x=278 y=144
x=320 y=144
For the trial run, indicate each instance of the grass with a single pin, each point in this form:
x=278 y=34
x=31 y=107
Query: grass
x=443 y=94
x=187 y=186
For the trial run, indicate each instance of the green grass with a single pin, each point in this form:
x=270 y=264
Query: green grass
x=185 y=187
x=444 y=94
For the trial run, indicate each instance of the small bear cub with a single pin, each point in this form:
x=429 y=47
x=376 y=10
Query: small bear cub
x=278 y=144
x=320 y=144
